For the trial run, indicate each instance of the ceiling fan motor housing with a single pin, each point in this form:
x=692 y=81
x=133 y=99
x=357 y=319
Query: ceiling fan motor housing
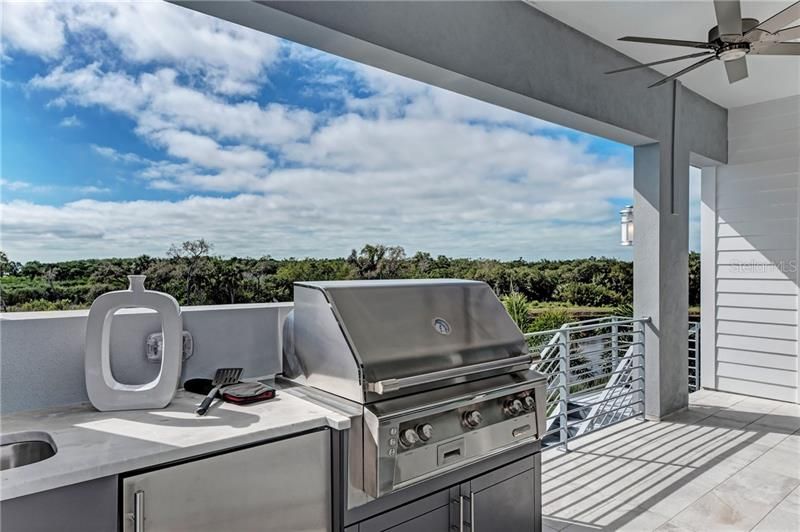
x=747 y=25
x=732 y=52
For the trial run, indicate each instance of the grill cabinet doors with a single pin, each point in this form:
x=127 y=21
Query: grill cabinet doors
x=433 y=513
x=502 y=503
x=507 y=499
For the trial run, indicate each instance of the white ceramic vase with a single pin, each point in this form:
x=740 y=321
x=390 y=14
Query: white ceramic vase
x=104 y=391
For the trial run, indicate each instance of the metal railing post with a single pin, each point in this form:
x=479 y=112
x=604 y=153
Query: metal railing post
x=614 y=344
x=691 y=353
x=563 y=389
x=697 y=333
x=638 y=363
x=694 y=356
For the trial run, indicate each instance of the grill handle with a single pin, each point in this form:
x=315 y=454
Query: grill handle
x=392 y=385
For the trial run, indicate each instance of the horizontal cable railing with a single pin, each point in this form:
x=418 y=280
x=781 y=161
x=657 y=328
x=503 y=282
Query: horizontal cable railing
x=595 y=375
x=694 y=356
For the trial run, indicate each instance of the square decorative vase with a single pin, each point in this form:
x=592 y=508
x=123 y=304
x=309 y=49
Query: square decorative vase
x=104 y=391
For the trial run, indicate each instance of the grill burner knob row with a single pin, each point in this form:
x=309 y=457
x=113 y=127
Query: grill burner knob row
x=513 y=407
x=472 y=419
x=425 y=431
x=409 y=437
x=530 y=403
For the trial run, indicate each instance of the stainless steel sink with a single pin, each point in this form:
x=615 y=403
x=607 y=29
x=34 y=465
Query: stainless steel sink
x=23 y=448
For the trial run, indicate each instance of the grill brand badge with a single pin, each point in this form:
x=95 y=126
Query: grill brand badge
x=441 y=326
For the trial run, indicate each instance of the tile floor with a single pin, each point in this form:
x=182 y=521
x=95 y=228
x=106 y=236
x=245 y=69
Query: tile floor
x=729 y=462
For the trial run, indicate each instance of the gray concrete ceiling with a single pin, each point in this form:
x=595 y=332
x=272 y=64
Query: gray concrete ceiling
x=770 y=77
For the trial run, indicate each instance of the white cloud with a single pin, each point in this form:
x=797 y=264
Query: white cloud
x=432 y=185
x=170 y=103
x=32 y=27
x=230 y=58
x=252 y=224
x=25 y=186
x=187 y=176
x=157 y=102
x=206 y=152
x=408 y=164
x=436 y=146
x=92 y=190
x=114 y=155
x=13 y=185
x=70 y=121
x=392 y=95
x=183 y=121
x=89 y=85
x=233 y=58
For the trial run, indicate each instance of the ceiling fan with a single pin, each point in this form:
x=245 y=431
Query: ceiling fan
x=732 y=40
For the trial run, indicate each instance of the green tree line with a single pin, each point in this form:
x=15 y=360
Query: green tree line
x=194 y=275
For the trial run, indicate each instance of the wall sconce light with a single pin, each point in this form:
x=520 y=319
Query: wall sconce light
x=626 y=226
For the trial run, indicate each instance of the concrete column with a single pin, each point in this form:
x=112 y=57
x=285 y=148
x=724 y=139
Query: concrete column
x=661 y=272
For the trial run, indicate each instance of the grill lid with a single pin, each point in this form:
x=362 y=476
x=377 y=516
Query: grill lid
x=396 y=331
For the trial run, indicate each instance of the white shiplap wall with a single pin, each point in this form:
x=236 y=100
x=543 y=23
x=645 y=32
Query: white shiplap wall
x=751 y=254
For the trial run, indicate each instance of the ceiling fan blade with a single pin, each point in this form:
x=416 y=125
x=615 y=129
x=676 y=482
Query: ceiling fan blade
x=684 y=71
x=659 y=62
x=778 y=48
x=789 y=34
x=668 y=42
x=729 y=18
x=780 y=20
x=736 y=69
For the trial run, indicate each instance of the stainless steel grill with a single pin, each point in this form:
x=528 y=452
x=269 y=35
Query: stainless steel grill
x=440 y=371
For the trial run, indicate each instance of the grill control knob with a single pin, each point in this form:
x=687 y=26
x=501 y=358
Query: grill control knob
x=425 y=431
x=530 y=403
x=513 y=407
x=472 y=419
x=409 y=437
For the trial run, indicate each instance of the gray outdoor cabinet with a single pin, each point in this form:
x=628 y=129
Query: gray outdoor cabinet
x=498 y=501
x=506 y=499
x=432 y=513
x=278 y=486
x=86 y=507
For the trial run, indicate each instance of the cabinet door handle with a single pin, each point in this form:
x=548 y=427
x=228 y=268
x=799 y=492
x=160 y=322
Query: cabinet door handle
x=472 y=512
x=460 y=513
x=138 y=511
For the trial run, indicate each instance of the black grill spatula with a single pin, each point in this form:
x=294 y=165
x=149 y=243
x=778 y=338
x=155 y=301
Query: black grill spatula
x=223 y=377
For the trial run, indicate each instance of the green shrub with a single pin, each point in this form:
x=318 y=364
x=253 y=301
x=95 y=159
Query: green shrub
x=587 y=295
x=42 y=304
x=552 y=318
x=519 y=308
x=624 y=310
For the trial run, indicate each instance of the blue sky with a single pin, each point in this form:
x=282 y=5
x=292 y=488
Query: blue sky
x=130 y=126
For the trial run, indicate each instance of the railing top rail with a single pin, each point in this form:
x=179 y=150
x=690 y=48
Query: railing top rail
x=592 y=324
x=612 y=318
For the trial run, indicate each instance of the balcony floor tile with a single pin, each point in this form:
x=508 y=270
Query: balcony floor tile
x=785 y=516
x=728 y=462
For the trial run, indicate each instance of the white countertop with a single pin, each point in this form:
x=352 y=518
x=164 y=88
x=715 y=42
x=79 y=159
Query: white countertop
x=92 y=444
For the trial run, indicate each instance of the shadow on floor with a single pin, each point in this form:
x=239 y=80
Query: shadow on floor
x=642 y=474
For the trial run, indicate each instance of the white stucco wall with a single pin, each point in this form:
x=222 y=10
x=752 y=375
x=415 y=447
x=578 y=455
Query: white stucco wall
x=41 y=353
x=750 y=227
